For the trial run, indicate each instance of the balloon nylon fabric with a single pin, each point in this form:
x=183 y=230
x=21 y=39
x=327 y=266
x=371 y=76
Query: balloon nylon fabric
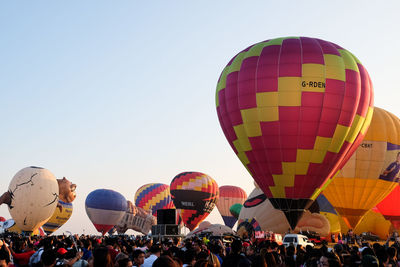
x=228 y=196
x=360 y=184
x=194 y=195
x=291 y=108
x=153 y=197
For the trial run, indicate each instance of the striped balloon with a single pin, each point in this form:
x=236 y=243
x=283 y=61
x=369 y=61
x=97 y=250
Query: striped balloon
x=229 y=195
x=154 y=196
x=194 y=195
x=292 y=109
x=105 y=208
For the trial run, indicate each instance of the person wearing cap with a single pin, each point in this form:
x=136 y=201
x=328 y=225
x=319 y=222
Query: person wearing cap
x=155 y=252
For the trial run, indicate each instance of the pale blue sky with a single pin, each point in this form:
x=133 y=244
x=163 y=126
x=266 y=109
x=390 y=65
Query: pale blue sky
x=116 y=94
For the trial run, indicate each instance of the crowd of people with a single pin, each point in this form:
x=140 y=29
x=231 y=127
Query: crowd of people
x=127 y=251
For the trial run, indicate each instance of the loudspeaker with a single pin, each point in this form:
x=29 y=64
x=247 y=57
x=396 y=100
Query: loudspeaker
x=166 y=216
x=165 y=229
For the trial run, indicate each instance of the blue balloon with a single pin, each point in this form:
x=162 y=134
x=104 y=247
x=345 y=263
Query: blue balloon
x=105 y=208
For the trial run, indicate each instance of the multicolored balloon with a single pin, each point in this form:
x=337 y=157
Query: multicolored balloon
x=154 y=196
x=194 y=195
x=34 y=197
x=59 y=218
x=235 y=210
x=291 y=108
x=105 y=208
x=390 y=208
x=229 y=195
x=371 y=173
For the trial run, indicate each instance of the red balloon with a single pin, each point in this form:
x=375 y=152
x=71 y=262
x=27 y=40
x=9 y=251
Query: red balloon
x=390 y=208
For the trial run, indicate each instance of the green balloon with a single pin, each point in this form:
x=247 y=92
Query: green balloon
x=235 y=210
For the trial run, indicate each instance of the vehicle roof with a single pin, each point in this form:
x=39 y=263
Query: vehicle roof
x=295 y=235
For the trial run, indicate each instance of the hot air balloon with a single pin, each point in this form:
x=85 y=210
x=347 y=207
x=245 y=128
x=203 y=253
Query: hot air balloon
x=390 y=208
x=235 y=210
x=33 y=195
x=328 y=211
x=291 y=108
x=59 y=218
x=365 y=179
x=153 y=197
x=229 y=195
x=194 y=195
x=257 y=206
x=374 y=222
x=105 y=208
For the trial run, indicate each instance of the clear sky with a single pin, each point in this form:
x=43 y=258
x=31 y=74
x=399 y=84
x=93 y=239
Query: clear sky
x=117 y=94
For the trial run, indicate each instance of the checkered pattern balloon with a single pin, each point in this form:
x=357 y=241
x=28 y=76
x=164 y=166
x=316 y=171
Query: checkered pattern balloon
x=293 y=109
x=194 y=195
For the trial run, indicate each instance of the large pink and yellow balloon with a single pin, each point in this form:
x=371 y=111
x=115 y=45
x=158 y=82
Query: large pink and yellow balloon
x=291 y=109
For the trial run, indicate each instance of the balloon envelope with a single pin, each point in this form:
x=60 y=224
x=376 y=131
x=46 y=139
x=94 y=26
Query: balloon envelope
x=229 y=195
x=34 y=192
x=291 y=109
x=328 y=211
x=194 y=195
x=59 y=218
x=153 y=197
x=390 y=208
x=235 y=210
x=257 y=206
x=361 y=183
x=105 y=208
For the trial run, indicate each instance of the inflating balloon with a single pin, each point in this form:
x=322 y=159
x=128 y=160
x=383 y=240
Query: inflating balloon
x=291 y=108
x=328 y=211
x=137 y=219
x=194 y=195
x=371 y=173
x=105 y=208
x=229 y=195
x=153 y=197
x=32 y=197
x=59 y=218
x=235 y=210
x=374 y=222
x=257 y=206
x=247 y=228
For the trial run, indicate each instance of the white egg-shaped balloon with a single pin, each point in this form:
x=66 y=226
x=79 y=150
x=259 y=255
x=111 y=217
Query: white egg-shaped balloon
x=34 y=197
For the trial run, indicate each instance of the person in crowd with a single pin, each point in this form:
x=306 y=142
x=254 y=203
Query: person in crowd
x=138 y=257
x=155 y=252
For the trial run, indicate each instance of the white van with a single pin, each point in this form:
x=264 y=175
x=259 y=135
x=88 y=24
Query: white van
x=296 y=239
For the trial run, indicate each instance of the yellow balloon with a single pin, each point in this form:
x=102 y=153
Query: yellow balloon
x=372 y=171
x=374 y=222
x=59 y=218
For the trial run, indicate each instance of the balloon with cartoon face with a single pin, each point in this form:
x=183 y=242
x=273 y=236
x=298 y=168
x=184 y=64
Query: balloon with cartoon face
x=258 y=206
x=34 y=197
